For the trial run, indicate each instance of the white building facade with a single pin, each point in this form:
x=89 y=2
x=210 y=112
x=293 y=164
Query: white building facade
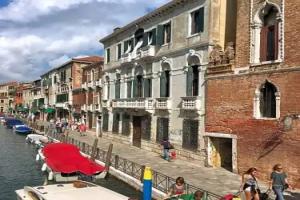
x=154 y=76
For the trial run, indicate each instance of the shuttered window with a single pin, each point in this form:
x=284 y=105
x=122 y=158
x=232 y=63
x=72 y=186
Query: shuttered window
x=129 y=87
x=190 y=134
x=119 y=50
x=107 y=55
x=165 y=84
x=118 y=89
x=116 y=120
x=126 y=124
x=197 y=21
x=147 y=87
x=146 y=127
x=105 y=122
x=162 y=129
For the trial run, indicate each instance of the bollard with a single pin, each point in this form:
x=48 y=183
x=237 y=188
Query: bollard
x=147 y=186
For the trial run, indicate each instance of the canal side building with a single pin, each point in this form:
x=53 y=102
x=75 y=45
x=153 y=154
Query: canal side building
x=7 y=94
x=89 y=95
x=153 y=80
x=252 y=109
x=59 y=83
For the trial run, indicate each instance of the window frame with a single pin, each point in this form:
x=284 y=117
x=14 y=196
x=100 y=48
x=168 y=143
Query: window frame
x=107 y=55
x=190 y=23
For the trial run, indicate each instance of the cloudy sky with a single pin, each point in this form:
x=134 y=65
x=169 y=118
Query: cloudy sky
x=36 y=35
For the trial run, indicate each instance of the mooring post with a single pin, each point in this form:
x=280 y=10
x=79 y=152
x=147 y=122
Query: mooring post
x=147 y=186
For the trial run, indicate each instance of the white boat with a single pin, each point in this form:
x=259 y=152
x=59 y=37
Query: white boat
x=37 y=139
x=79 y=190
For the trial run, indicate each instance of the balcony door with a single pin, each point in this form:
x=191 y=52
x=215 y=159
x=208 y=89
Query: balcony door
x=137 y=131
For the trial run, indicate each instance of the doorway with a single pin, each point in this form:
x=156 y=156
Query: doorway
x=221 y=152
x=90 y=120
x=137 y=131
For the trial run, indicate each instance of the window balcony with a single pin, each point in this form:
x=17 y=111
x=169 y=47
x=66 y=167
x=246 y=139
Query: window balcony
x=97 y=108
x=147 y=52
x=91 y=84
x=135 y=103
x=98 y=83
x=105 y=103
x=163 y=103
x=191 y=103
x=126 y=58
x=91 y=108
x=84 y=86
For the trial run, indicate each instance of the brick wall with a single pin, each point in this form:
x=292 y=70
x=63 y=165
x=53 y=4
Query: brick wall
x=261 y=143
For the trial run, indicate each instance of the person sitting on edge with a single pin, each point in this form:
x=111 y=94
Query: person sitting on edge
x=178 y=188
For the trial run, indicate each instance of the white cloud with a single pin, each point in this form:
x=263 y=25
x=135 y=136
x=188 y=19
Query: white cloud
x=37 y=34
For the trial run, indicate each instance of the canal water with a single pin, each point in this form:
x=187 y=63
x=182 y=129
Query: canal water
x=18 y=168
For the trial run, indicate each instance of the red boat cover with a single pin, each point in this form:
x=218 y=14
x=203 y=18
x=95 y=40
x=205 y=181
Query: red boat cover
x=66 y=158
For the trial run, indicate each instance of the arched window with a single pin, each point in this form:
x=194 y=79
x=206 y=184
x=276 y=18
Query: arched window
x=266 y=38
x=269 y=35
x=165 y=80
x=118 y=87
x=267 y=101
x=107 y=87
x=192 y=81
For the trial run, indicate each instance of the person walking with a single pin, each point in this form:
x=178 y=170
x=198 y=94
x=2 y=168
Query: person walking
x=278 y=181
x=249 y=184
x=166 y=145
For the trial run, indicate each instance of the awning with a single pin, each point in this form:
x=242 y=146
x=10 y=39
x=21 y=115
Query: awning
x=49 y=110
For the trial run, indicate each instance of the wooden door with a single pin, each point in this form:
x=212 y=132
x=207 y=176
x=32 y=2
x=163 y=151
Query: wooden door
x=137 y=131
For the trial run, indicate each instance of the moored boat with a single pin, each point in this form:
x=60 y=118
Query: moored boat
x=37 y=139
x=11 y=122
x=22 y=129
x=64 y=162
x=79 y=190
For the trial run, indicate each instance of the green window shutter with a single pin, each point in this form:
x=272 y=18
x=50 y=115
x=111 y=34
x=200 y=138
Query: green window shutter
x=189 y=82
x=153 y=36
x=129 y=84
x=134 y=87
x=146 y=88
x=117 y=89
x=163 y=84
x=201 y=20
x=145 y=39
x=125 y=46
x=132 y=44
x=160 y=35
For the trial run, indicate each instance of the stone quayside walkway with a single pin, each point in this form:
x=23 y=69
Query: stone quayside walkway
x=218 y=181
x=215 y=180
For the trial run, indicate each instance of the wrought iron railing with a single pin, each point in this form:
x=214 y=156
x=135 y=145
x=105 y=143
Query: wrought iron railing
x=160 y=181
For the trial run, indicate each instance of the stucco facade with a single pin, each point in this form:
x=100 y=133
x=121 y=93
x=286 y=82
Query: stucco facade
x=154 y=75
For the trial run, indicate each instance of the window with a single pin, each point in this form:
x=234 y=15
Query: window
x=197 y=21
x=119 y=51
x=162 y=129
x=147 y=87
x=128 y=46
x=146 y=127
x=193 y=81
x=126 y=124
x=129 y=86
x=107 y=55
x=2 y=101
x=116 y=120
x=138 y=86
x=118 y=88
x=190 y=134
x=268 y=100
x=165 y=84
x=55 y=80
x=269 y=36
x=105 y=122
x=167 y=33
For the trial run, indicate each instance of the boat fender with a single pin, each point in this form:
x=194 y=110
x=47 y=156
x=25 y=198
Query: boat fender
x=50 y=176
x=37 y=157
x=44 y=167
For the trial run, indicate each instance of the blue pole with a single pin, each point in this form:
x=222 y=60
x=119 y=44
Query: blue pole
x=147 y=186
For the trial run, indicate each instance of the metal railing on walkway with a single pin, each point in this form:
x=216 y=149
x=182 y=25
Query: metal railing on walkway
x=160 y=181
